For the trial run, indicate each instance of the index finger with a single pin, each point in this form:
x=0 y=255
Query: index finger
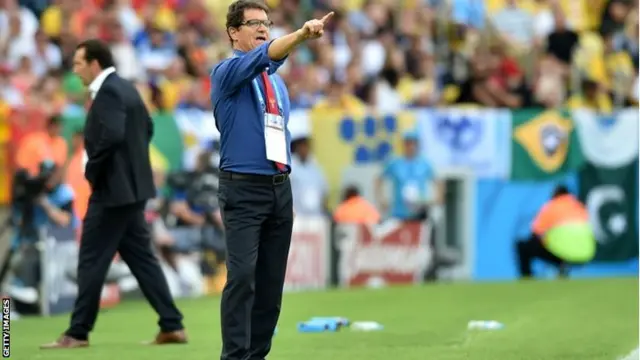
x=327 y=17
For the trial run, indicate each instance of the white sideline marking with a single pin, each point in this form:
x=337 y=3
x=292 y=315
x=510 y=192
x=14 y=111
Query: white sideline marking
x=634 y=355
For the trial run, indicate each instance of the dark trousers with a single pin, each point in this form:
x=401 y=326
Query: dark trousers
x=123 y=229
x=532 y=248
x=258 y=220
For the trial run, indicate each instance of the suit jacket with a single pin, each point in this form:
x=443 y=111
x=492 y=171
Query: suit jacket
x=117 y=136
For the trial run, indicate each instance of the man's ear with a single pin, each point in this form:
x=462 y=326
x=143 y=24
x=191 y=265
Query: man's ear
x=233 y=34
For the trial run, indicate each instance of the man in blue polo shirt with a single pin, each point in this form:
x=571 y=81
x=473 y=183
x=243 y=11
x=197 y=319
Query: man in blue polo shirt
x=412 y=179
x=251 y=108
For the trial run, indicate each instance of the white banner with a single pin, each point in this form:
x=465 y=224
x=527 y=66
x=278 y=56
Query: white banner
x=477 y=139
x=608 y=141
x=308 y=265
x=394 y=252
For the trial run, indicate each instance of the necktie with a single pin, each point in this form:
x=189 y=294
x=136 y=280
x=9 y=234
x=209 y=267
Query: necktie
x=272 y=108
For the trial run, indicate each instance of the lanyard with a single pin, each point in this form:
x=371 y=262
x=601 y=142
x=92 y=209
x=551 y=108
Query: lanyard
x=256 y=87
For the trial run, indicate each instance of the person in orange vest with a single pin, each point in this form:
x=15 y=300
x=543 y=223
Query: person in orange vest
x=355 y=209
x=43 y=145
x=75 y=175
x=561 y=209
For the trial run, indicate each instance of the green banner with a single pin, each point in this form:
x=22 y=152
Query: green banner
x=609 y=181
x=610 y=195
x=545 y=144
x=167 y=142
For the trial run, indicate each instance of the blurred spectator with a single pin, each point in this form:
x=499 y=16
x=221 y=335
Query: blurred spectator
x=591 y=96
x=17 y=23
x=75 y=175
x=515 y=25
x=561 y=42
x=46 y=56
x=470 y=13
x=545 y=22
x=627 y=40
x=495 y=80
x=308 y=184
x=420 y=86
x=339 y=98
x=24 y=78
x=124 y=54
x=413 y=183
x=156 y=50
x=194 y=118
x=9 y=94
x=355 y=209
x=42 y=145
x=614 y=15
x=14 y=42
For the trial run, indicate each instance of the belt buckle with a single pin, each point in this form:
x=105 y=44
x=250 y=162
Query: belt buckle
x=279 y=179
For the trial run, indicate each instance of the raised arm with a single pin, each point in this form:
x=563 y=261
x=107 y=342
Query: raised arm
x=233 y=73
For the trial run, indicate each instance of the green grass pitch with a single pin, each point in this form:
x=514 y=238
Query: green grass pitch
x=545 y=320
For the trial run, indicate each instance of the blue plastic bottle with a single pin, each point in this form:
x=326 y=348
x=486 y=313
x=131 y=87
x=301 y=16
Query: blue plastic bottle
x=316 y=326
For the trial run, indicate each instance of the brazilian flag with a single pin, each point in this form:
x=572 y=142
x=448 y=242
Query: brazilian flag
x=545 y=145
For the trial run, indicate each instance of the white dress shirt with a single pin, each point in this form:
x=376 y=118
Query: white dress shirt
x=96 y=84
x=94 y=87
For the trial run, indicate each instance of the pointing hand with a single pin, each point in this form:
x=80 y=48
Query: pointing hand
x=314 y=29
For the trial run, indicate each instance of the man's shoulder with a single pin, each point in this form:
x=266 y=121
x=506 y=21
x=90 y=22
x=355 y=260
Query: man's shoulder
x=123 y=89
x=219 y=65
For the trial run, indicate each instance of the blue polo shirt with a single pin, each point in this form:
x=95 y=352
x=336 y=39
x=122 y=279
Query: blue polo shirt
x=239 y=114
x=406 y=176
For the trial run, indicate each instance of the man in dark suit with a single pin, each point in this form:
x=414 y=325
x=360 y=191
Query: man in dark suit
x=117 y=136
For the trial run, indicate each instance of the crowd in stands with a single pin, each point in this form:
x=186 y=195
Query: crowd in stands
x=379 y=55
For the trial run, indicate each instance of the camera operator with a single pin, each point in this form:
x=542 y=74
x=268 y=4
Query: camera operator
x=194 y=201
x=195 y=216
x=39 y=203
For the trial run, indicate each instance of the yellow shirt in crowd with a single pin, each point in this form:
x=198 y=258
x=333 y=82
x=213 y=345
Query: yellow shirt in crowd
x=602 y=103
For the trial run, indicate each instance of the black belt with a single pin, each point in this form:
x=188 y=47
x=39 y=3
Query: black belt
x=262 y=179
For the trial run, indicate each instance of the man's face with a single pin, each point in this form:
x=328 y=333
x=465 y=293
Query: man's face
x=303 y=149
x=410 y=148
x=86 y=71
x=254 y=31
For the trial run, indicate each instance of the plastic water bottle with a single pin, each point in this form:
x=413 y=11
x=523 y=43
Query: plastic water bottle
x=484 y=325
x=340 y=321
x=317 y=326
x=366 y=326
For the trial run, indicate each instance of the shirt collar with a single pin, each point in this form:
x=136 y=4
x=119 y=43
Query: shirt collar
x=97 y=82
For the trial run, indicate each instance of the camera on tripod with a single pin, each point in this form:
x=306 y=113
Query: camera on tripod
x=27 y=188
